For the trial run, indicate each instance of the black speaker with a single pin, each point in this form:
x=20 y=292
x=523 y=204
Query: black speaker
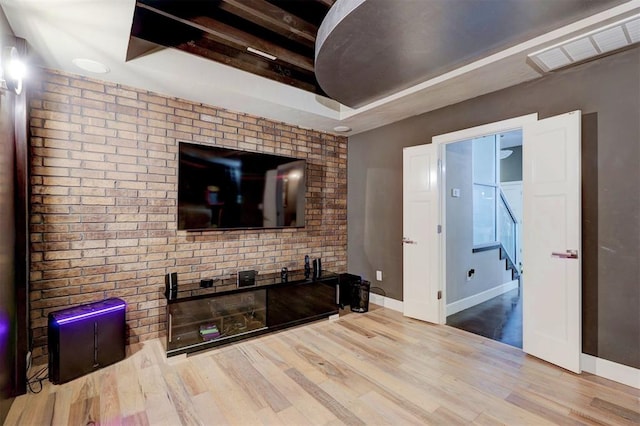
x=360 y=296
x=171 y=285
x=345 y=288
x=317 y=268
x=307 y=267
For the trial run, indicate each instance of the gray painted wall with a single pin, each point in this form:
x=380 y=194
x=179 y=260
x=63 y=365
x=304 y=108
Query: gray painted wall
x=490 y=271
x=608 y=93
x=511 y=167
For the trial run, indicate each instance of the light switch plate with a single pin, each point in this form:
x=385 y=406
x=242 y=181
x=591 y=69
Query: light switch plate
x=455 y=192
x=379 y=275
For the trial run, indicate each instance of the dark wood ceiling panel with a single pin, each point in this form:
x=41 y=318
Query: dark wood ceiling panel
x=210 y=49
x=235 y=38
x=327 y=3
x=223 y=30
x=311 y=11
x=273 y=18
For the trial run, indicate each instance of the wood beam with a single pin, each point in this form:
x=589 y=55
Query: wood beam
x=327 y=3
x=240 y=40
x=271 y=17
x=236 y=38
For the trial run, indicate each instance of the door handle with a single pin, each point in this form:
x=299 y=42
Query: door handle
x=405 y=240
x=569 y=254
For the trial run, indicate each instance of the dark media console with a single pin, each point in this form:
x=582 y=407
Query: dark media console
x=202 y=317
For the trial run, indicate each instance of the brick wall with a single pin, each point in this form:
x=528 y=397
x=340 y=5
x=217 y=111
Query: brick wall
x=104 y=190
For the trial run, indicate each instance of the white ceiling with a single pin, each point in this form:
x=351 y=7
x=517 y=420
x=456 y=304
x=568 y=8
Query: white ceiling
x=59 y=31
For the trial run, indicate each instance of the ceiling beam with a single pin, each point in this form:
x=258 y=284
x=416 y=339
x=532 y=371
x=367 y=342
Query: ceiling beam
x=236 y=38
x=241 y=40
x=327 y=3
x=271 y=17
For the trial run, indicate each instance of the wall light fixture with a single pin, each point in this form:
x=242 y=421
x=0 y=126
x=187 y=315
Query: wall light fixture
x=12 y=70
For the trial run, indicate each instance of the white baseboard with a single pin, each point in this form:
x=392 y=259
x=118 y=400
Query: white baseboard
x=611 y=370
x=387 y=302
x=468 y=302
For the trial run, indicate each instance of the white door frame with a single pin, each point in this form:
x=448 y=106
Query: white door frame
x=440 y=142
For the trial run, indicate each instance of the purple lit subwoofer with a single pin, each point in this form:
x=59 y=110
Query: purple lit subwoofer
x=86 y=338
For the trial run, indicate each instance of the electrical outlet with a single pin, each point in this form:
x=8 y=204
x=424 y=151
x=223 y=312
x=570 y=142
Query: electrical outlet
x=379 y=275
x=28 y=360
x=470 y=273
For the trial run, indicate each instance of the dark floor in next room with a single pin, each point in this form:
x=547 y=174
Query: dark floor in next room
x=499 y=319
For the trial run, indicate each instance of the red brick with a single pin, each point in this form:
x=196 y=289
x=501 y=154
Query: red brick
x=103 y=220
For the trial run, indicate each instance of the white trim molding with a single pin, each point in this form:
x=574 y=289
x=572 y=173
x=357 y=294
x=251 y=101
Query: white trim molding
x=483 y=296
x=387 y=302
x=485 y=129
x=611 y=370
x=441 y=141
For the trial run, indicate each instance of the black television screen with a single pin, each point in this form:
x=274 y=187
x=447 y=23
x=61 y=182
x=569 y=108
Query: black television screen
x=221 y=188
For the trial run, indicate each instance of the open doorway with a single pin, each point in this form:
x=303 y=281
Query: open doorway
x=483 y=197
x=551 y=239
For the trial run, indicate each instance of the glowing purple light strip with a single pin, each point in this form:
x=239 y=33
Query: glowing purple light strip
x=90 y=314
x=4 y=332
x=4 y=325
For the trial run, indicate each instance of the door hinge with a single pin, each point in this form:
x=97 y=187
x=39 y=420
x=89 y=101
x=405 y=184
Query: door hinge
x=439 y=229
x=439 y=294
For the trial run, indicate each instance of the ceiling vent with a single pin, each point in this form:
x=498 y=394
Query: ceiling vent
x=590 y=45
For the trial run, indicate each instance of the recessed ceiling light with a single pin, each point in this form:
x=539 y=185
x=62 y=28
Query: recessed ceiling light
x=91 y=65
x=342 y=129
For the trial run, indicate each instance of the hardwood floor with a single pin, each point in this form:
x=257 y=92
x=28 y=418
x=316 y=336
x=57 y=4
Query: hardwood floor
x=373 y=368
x=498 y=319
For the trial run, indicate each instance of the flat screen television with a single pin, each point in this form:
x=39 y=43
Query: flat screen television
x=221 y=188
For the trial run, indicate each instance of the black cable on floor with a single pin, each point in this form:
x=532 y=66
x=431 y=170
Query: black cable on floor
x=37 y=378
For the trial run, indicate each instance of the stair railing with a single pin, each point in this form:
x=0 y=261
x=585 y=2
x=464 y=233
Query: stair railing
x=508 y=230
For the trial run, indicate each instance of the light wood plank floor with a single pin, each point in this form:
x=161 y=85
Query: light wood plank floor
x=373 y=368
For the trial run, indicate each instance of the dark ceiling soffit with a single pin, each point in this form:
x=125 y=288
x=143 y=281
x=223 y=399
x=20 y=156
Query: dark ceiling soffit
x=253 y=23
x=138 y=48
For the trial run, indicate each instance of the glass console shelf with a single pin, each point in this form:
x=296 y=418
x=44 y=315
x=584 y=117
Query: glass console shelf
x=200 y=318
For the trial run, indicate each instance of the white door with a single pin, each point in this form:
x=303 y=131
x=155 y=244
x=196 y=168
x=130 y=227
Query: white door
x=421 y=243
x=552 y=240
